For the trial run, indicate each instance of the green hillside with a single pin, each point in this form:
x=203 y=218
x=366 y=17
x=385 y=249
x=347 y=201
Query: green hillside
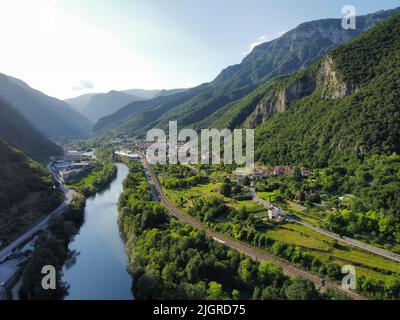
x=352 y=110
x=19 y=133
x=26 y=191
x=51 y=117
x=294 y=51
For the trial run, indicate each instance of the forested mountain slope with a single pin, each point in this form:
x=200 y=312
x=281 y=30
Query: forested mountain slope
x=294 y=51
x=19 y=133
x=22 y=178
x=345 y=106
x=52 y=117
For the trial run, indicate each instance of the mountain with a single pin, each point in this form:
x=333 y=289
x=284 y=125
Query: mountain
x=104 y=104
x=52 y=117
x=98 y=105
x=19 y=133
x=166 y=93
x=143 y=94
x=345 y=107
x=21 y=179
x=198 y=107
x=80 y=102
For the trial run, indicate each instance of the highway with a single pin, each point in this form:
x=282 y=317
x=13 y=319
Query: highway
x=246 y=249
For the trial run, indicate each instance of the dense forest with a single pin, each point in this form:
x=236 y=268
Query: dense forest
x=198 y=107
x=361 y=119
x=19 y=133
x=26 y=191
x=170 y=260
x=51 y=248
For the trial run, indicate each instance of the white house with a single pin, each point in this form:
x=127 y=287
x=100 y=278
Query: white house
x=274 y=212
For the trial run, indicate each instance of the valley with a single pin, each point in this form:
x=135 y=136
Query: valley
x=319 y=196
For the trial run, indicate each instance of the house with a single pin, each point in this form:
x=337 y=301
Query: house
x=279 y=171
x=274 y=212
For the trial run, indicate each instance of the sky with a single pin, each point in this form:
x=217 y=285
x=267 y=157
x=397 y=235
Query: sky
x=66 y=48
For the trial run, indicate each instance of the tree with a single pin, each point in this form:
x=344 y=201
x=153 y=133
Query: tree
x=392 y=286
x=148 y=286
x=195 y=269
x=169 y=272
x=301 y=289
x=269 y=273
x=215 y=291
x=271 y=293
x=235 y=294
x=226 y=189
x=247 y=271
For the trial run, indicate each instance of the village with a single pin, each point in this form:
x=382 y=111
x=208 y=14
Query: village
x=274 y=211
x=71 y=165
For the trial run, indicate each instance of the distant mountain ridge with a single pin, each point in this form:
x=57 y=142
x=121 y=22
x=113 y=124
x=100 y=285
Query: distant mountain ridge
x=19 y=133
x=52 y=117
x=295 y=50
x=98 y=105
x=104 y=104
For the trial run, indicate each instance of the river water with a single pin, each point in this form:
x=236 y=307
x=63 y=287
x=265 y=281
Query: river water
x=100 y=270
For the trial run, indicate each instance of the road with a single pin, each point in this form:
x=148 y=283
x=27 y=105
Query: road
x=8 y=268
x=346 y=240
x=350 y=241
x=256 y=198
x=246 y=249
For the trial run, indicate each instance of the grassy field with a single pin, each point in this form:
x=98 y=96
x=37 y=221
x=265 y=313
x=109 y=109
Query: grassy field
x=87 y=178
x=327 y=250
x=310 y=215
x=268 y=196
x=186 y=198
x=312 y=242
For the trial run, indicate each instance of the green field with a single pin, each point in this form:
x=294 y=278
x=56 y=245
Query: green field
x=268 y=196
x=324 y=248
x=186 y=198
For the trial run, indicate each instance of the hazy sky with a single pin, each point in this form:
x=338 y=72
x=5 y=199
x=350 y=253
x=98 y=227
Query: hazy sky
x=69 y=47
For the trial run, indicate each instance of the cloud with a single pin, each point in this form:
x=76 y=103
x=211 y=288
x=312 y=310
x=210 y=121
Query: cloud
x=262 y=39
x=281 y=33
x=83 y=85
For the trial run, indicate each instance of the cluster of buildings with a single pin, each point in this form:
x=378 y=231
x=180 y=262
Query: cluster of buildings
x=70 y=165
x=279 y=171
x=265 y=172
x=129 y=154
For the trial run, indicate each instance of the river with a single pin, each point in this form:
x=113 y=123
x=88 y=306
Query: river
x=100 y=270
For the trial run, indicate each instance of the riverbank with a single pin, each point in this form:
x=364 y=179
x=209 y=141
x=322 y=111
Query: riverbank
x=171 y=260
x=52 y=247
x=98 y=268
